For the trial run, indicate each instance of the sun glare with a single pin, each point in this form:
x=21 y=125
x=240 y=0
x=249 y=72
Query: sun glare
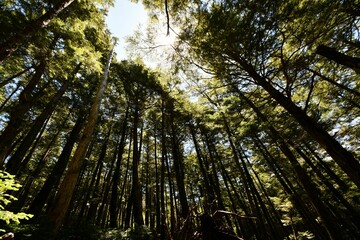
x=166 y=40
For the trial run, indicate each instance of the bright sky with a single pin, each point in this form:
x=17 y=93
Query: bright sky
x=123 y=19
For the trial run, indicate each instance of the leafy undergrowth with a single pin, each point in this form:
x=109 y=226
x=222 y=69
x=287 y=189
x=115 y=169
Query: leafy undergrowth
x=81 y=232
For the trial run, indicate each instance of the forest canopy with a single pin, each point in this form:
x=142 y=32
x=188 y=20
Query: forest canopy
x=248 y=129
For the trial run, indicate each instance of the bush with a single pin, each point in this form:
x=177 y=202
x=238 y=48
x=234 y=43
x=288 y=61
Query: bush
x=8 y=183
x=138 y=233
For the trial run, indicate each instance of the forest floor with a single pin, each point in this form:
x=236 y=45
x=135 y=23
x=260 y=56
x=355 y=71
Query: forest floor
x=86 y=231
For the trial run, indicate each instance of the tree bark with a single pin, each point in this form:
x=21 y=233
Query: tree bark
x=338 y=57
x=136 y=188
x=39 y=167
x=17 y=113
x=114 y=210
x=15 y=160
x=178 y=167
x=60 y=207
x=126 y=215
x=53 y=179
x=93 y=193
x=106 y=191
x=157 y=188
x=162 y=172
x=171 y=195
x=210 y=192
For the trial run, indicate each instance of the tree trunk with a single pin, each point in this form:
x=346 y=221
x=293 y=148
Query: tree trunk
x=329 y=80
x=210 y=195
x=106 y=191
x=341 y=156
x=148 y=189
x=126 y=216
x=297 y=201
x=338 y=57
x=351 y=213
x=245 y=228
x=94 y=193
x=310 y=188
x=114 y=210
x=279 y=227
x=17 y=113
x=157 y=188
x=62 y=200
x=171 y=195
x=136 y=188
x=260 y=232
x=33 y=176
x=15 y=160
x=10 y=97
x=29 y=156
x=179 y=168
x=215 y=181
x=324 y=166
x=7 y=80
x=53 y=179
x=162 y=173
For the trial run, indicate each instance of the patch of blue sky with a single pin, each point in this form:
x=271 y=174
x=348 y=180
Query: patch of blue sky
x=123 y=19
